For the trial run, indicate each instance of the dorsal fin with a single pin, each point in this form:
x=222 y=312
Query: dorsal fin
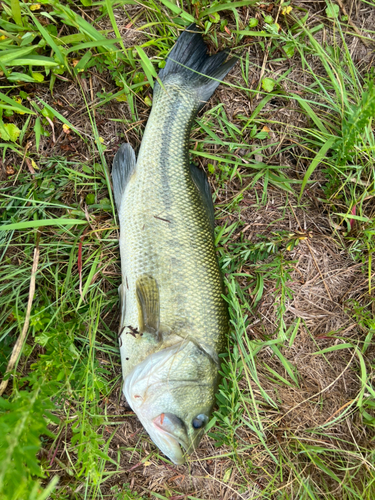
x=123 y=166
x=200 y=180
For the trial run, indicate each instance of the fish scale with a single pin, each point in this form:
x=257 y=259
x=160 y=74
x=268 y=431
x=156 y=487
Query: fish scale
x=174 y=318
x=180 y=253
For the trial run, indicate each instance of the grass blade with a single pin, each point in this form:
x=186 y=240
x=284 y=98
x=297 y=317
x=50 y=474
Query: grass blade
x=108 y=4
x=318 y=158
x=47 y=37
x=16 y=12
x=147 y=66
x=227 y=6
x=59 y=116
x=180 y=12
x=46 y=62
x=17 y=226
x=14 y=105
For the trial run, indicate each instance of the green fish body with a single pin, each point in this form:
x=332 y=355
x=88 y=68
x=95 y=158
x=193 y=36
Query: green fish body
x=174 y=319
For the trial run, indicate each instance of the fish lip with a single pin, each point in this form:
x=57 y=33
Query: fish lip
x=176 y=442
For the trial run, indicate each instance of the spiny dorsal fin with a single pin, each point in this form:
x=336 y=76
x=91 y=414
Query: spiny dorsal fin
x=200 y=180
x=122 y=168
x=148 y=304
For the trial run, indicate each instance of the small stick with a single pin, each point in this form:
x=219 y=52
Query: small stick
x=21 y=339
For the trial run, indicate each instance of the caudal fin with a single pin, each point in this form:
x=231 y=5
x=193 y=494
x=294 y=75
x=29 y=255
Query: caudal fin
x=190 y=60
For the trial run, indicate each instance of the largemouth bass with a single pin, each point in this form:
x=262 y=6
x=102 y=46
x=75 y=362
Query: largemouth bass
x=173 y=317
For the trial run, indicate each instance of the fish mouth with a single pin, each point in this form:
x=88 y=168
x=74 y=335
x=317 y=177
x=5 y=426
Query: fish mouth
x=165 y=424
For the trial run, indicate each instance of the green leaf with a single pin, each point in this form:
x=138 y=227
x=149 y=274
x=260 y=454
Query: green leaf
x=90 y=199
x=11 y=54
x=9 y=131
x=47 y=37
x=337 y=347
x=290 y=369
x=332 y=11
x=354 y=126
x=111 y=15
x=289 y=49
x=47 y=113
x=268 y=84
x=38 y=132
x=253 y=23
x=311 y=113
x=38 y=77
x=324 y=468
x=355 y=217
x=21 y=77
x=261 y=33
x=83 y=62
x=93 y=44
x=214 y=17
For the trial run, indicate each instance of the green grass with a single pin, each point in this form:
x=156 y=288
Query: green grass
x=61 y=413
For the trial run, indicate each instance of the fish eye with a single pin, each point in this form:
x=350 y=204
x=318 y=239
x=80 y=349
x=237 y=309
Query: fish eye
x=199 y=421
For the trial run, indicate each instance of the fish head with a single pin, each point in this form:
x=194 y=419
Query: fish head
x=173 y=392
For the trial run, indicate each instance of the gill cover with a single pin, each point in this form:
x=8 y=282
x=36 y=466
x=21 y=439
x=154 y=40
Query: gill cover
x=172 y=393
x=141 y=388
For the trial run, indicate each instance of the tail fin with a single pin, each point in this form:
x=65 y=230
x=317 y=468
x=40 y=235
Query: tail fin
x=189 y=59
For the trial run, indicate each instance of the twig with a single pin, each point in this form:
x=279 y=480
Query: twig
x=339 y=410
x=21 y=339
x=53 y=129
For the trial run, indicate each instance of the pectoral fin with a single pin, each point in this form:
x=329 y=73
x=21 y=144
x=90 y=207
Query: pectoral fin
x=148 y=304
